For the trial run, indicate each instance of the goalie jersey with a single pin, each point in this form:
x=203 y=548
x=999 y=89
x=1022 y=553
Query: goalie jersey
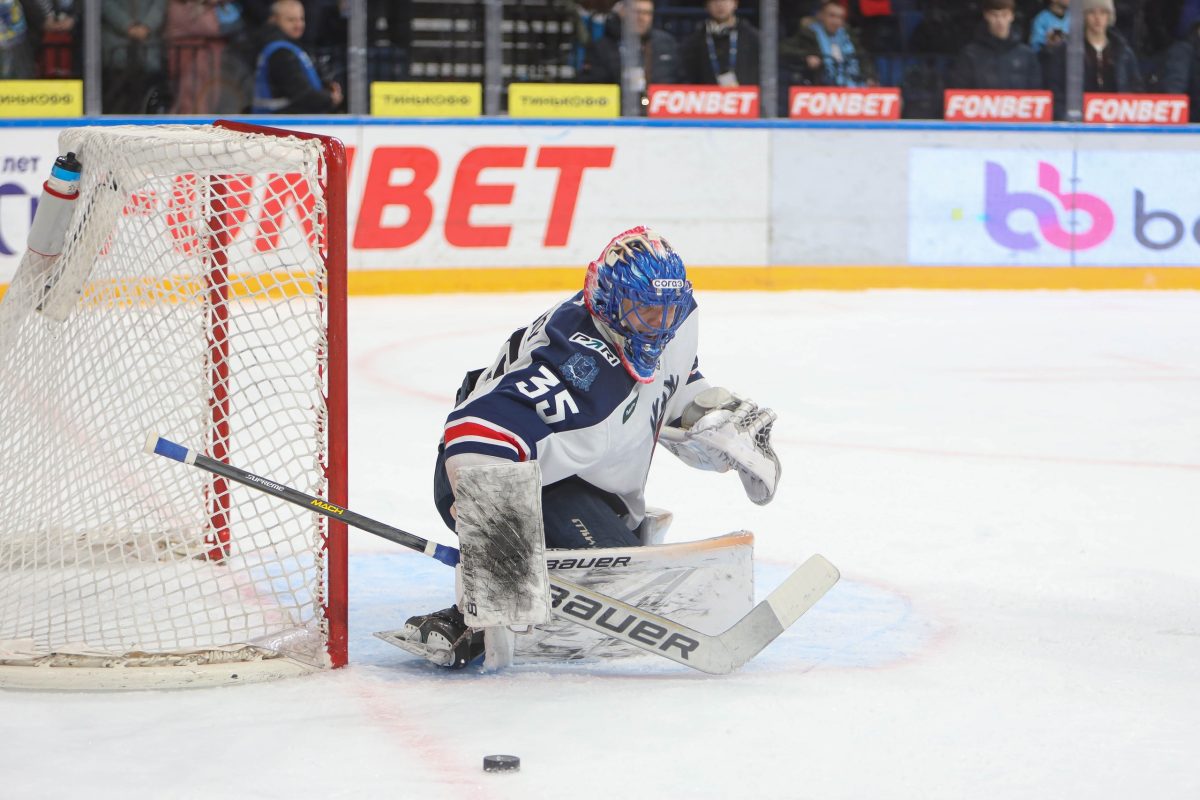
x=558 y=393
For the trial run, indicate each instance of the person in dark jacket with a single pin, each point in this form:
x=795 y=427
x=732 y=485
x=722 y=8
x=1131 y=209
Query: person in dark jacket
x=824 y=52
x=997 y=58
x=21 y=26
x=659 y=57
x=285 y=78
x=723 y=51
x=1109 y=63
x=1181 y=71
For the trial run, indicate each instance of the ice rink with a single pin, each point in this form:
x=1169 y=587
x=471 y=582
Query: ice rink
x=1009 y=483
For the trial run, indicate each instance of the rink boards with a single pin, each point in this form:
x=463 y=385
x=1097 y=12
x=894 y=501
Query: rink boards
x=503 y=205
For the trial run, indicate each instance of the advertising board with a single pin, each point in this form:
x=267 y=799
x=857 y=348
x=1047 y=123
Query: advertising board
x=1107 y=208
x=480 y=205
x=450 y=197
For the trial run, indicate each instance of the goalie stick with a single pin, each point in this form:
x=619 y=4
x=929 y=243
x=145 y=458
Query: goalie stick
x=717 y=654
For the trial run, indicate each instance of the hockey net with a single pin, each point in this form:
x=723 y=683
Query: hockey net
x=202 y=296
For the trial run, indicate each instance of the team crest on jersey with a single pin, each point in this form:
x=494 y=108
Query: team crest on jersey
x=580 y=371
x=597 y=345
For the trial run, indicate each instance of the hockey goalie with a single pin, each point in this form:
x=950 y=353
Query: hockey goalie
x=547 y=451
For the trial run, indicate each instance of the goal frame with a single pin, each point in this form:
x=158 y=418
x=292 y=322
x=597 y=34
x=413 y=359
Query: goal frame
x=333 y=181
x=336 y=470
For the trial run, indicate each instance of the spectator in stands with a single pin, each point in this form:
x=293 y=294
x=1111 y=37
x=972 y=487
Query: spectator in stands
x=723 y=51
x=18 y=35
x=1188 y=14
x=1050 y=25
x=196 y=33
x=944 y=26
x=1181 y=72
x=285 y=78
x=258 y=14
x=824 y=52
x=131 y=41
x=996 y=58
x=1161 y=23
x=1109 y=64
x=591 y=21
x=59 y=55
x=658 y=59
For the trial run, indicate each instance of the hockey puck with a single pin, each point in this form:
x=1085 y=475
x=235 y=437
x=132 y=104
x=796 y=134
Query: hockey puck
x=501 y=763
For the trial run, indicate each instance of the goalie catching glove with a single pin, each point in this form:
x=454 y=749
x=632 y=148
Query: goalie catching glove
x=720 y=431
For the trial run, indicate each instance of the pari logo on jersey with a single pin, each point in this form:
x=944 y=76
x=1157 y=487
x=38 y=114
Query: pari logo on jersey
x=1000 y=203
x=595 y=344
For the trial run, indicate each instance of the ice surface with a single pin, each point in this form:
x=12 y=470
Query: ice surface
x=1007 y=481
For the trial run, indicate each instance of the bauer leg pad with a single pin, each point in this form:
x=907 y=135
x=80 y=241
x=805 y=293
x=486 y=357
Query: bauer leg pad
x=499 y=526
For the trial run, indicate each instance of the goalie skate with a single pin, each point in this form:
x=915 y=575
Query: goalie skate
x=441 y=637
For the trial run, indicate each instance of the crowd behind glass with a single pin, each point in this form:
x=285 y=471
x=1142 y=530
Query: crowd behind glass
x=212 y=57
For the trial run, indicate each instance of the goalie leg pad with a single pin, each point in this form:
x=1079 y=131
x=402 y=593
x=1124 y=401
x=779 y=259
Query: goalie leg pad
x=499 y=526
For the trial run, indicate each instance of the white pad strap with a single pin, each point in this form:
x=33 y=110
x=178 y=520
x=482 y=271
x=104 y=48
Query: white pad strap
x=499 y=526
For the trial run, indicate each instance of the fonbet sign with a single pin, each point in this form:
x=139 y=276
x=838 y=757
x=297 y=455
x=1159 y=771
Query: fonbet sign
x=703 y=102
x=1029 y=207
x=825 y=102
x=968 y=105
x=1138 y=109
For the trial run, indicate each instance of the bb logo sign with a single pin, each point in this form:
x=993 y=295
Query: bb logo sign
x=1045 y=205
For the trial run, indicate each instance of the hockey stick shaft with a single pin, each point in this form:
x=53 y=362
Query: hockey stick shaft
x=646 y=630
x=164 y=447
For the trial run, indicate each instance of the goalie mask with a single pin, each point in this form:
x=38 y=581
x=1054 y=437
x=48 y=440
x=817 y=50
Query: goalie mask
x=639 y=293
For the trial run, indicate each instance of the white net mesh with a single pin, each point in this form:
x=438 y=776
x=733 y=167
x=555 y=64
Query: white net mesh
x=194 y=281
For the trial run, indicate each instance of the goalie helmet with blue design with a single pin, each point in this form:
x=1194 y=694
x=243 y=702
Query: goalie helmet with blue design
x=639 y=293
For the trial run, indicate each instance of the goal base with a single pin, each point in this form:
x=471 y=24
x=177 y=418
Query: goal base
x=123 y=678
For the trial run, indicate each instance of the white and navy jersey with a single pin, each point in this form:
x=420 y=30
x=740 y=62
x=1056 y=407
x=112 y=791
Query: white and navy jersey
x=558 y=393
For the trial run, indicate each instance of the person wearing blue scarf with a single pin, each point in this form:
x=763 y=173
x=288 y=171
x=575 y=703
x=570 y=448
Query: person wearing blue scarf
x=824 y=52
x=285 y=79
x=1051 y=25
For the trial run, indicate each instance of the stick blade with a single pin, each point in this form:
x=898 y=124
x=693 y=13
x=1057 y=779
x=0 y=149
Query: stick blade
x=799 y=592
x=802 y=589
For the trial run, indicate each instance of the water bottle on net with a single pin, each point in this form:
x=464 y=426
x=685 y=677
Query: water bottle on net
x=57 y=203
x=48 y=232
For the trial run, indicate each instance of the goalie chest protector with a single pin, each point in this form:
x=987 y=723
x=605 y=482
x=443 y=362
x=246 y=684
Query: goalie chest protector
x=558 y=392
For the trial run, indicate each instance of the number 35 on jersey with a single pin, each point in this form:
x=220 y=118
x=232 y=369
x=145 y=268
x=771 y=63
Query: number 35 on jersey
x=558 y=405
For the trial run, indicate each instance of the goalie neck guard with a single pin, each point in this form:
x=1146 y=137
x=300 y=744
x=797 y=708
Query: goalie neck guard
x=639 y=293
